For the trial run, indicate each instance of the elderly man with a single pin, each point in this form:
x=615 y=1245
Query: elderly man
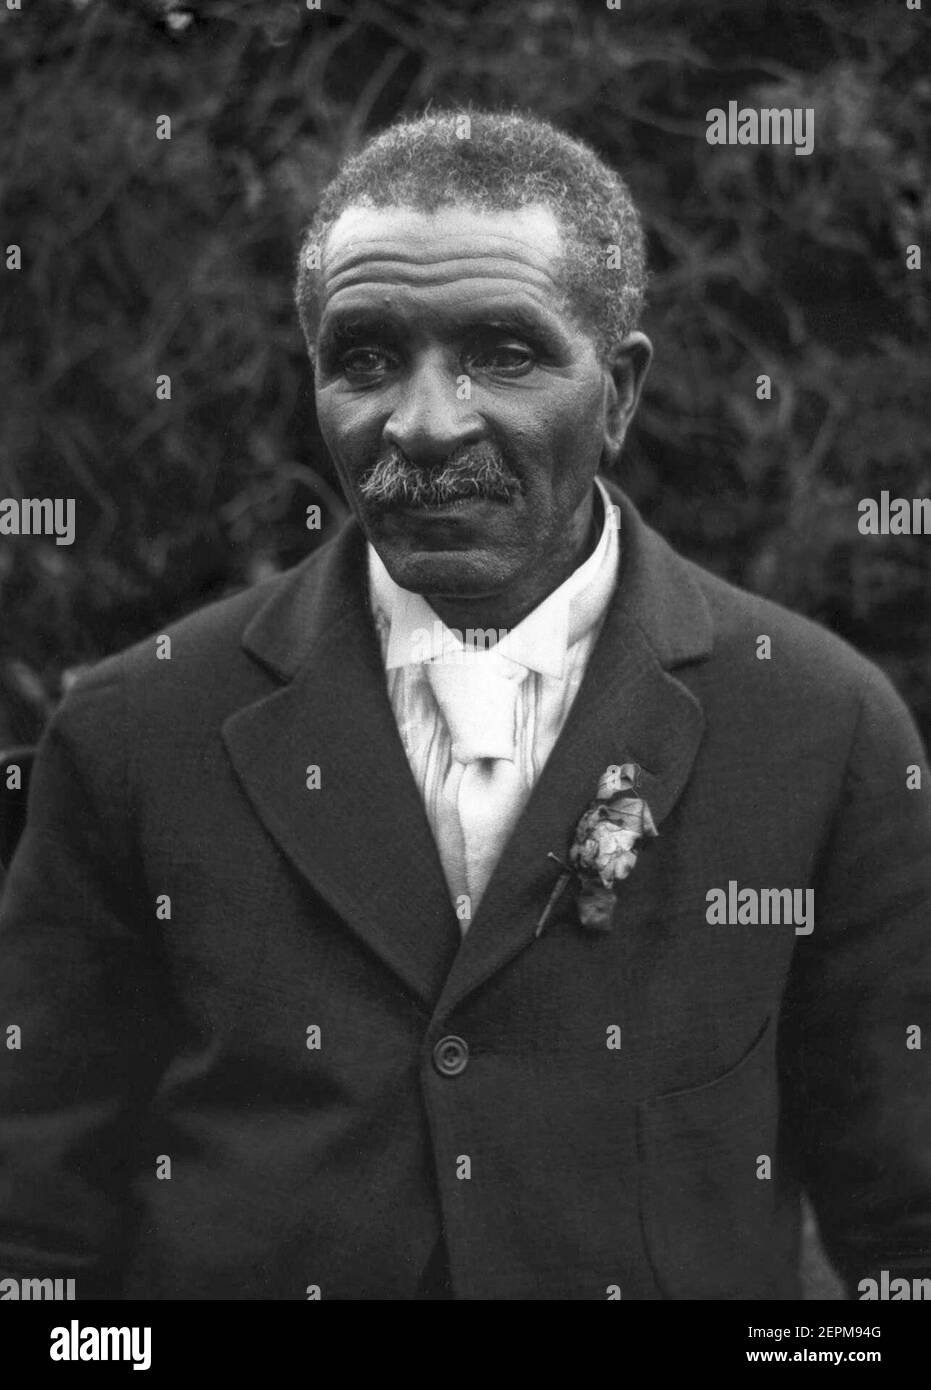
x=496 y=905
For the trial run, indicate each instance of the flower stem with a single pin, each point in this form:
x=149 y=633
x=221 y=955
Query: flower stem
x=554 y=897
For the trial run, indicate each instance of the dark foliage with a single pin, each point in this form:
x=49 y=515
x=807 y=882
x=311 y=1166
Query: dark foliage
x=144 y=256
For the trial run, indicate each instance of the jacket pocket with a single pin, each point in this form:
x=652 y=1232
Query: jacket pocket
x=707 y=1217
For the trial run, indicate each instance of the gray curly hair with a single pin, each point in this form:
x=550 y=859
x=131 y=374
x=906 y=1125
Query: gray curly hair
x=496 y=161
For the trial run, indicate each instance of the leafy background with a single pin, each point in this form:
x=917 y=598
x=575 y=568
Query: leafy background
x=143 y=257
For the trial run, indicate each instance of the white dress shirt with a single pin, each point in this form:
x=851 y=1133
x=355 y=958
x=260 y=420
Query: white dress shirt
x=553 y=642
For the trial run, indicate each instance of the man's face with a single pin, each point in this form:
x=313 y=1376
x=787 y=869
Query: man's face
x=465 y=410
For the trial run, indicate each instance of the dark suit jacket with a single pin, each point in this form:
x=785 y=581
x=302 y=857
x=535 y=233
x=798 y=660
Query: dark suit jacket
x=341 y=1166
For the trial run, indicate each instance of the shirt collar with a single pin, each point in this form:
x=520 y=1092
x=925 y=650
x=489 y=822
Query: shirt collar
x=540 y=641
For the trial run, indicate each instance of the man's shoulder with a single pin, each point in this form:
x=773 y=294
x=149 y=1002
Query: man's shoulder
x=737 y=635
x=730 y=633
x=205 y=636
x=790 y=653
x=207 y=649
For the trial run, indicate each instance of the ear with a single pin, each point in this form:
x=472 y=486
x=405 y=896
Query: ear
x=626 y=368
x=310 y=344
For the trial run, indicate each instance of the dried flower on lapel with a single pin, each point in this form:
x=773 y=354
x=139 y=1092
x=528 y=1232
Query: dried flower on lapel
x=607 y=841
x=604 y=849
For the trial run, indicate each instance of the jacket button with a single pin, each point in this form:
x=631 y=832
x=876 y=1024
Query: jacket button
x=451 y=1055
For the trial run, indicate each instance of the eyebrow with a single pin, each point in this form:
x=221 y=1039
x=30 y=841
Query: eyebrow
x=345 y=327
x=525 y=324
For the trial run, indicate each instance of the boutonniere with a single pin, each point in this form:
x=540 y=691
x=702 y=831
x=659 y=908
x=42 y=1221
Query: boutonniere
x=604 y=849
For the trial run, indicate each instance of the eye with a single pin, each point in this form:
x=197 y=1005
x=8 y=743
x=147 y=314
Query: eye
x=365 y=364
x=503 y=359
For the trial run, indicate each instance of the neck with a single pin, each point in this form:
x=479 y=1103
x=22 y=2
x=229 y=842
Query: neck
x=502 y=611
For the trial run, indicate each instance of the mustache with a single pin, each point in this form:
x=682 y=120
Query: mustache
x=475 y=470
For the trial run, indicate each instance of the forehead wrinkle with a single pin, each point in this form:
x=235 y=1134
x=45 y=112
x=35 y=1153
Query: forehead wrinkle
x=376 y=249
x=475 y=299
x=443 y=274
x=438 y=249
x=424 y=248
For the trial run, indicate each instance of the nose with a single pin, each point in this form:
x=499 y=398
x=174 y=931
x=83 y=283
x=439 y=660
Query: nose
x=435 y=414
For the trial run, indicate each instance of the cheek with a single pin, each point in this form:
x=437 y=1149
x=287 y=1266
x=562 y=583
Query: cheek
x=582 y=432
x=539 y=430
x=563 y=440
x=349 y=427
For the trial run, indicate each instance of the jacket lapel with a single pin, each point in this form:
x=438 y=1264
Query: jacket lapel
x=629 y=708
x=361 y=840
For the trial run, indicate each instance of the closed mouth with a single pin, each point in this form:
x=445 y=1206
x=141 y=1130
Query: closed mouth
x=457 y=502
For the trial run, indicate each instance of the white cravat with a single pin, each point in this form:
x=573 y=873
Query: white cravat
x=484 y=790
x=449 y=695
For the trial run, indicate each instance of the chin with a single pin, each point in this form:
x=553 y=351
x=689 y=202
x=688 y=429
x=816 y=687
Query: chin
x=448 y=573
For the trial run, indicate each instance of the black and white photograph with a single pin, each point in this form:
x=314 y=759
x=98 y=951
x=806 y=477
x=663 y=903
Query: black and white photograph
x=465 y=661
